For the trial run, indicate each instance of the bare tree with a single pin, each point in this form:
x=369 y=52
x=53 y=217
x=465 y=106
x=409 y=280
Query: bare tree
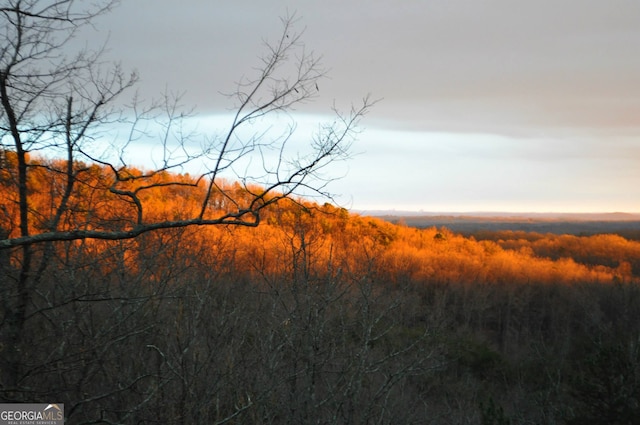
x=53 y=103
x=57 y=104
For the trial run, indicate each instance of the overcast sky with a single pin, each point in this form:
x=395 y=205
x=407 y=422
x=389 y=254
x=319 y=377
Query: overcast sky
x=487 y=105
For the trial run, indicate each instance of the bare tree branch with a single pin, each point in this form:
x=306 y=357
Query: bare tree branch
x=67 y=107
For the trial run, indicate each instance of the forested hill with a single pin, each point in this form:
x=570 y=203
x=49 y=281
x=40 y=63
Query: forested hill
x=330 y=236
x=315 y=312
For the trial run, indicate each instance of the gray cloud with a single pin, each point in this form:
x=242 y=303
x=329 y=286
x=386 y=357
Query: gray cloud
x=471 y=65
x=557 y=79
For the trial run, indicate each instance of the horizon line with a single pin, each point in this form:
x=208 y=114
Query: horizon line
x=393 y=211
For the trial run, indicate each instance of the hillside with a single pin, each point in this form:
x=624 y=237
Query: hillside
x=315 y=312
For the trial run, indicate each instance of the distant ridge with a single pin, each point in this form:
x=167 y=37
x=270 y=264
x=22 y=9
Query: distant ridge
x=623 y=224
x=504 y=215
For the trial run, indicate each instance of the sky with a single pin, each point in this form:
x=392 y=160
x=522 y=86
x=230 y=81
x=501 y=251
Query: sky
x=485 y=105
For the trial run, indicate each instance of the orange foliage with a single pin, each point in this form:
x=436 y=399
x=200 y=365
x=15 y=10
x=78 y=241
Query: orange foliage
x=612 y=251
x=301 y=240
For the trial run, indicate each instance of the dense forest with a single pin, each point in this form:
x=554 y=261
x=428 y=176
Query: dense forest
x=317 y=315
